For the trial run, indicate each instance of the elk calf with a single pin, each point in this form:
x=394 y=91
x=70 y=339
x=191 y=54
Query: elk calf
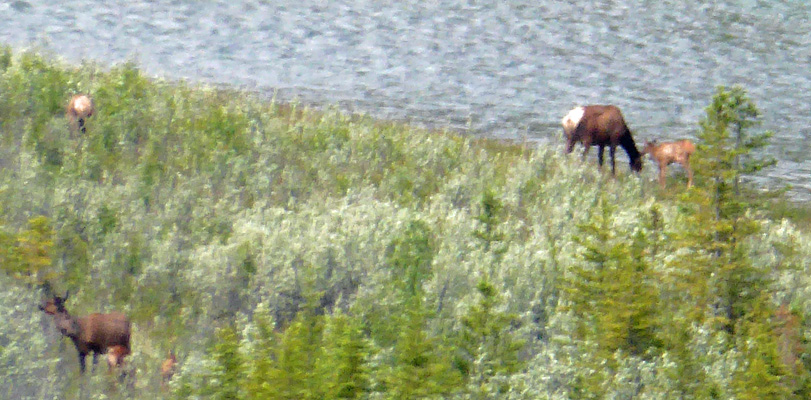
x=80 y=107
x=115 y=362
x=115 y=356
x=97 y=333
x=168 y=368
x=666 y=153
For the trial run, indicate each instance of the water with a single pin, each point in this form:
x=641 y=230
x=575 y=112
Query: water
x=507 y=69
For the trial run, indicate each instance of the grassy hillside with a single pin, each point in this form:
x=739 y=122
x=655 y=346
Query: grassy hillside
x=283 y=252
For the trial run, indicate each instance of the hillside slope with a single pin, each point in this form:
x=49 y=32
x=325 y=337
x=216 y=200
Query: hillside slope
x=283 y=252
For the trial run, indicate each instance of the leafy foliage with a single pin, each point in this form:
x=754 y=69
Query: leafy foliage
x=323 y=255
x=28 y=254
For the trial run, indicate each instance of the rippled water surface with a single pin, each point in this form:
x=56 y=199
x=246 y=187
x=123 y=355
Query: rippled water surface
x=507 y=69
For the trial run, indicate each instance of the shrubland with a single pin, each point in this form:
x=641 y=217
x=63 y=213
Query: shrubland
x=286 y=252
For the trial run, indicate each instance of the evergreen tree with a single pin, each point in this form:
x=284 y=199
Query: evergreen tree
x=612 y=292
x=714 y=276
x=227 y=379
x=490 y=218
x=727 y=145
x=612 y=295
x=689 y=375
x=410 y=257
x=344 y=366
x=421 y=368
x=762 y=375
x=262 y=355
x=488 y=346
x=717 y=211
x=294 y=375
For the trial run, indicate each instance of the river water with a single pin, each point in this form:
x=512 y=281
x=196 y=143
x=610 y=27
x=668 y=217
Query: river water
x=507 y=69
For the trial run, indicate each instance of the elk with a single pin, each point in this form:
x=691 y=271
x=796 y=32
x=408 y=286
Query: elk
x=115 y=356
x=602 y=125
x=115 y=361
x=80 y=107
x=168 y=368
x=96 y=333
x=666 y=153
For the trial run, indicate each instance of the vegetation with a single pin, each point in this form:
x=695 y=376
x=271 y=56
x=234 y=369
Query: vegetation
x=288 y=253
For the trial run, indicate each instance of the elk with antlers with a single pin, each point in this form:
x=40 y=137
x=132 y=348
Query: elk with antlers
x=97 y=333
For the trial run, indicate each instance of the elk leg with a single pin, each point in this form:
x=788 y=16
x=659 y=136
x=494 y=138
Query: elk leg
x=586 y=145
x=570 y=145
x=82 y=362
x=95 y=360
x=662 y=173
x=689 y=174
x=600 y=156
x=613 y=151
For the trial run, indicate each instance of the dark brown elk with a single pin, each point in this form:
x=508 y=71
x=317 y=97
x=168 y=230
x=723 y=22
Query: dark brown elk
x=666 y=153
x=601 y=125
x=95 y=333
x=80 y=107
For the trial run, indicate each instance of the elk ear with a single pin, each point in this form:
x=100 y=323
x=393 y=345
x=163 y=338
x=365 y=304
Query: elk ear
x=67 y=293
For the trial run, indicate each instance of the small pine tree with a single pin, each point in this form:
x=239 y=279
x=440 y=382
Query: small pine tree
x=490 y=218
x=262 y=359
x=761 y=374
x=718 y=223
x=725 y=151
x=294 y=375
x=612 y=292
x=488 y=346
x=689 y=374
x=714 y=282
x=344 y=365
x=410 y=257
x=226 y=382
x=421 y=369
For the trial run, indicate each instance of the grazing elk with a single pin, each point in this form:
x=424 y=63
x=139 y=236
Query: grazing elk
x=96 y=333
x=80 y=107
x=602 y=126
x=666 y=153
